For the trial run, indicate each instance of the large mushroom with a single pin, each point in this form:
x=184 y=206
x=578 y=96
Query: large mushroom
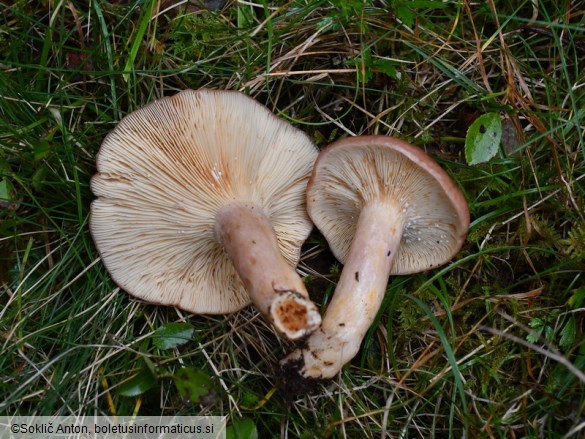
x=385 y=207
x=201 y=205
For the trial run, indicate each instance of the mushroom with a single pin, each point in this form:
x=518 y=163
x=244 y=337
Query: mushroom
x=201 y=205
x=385 y=207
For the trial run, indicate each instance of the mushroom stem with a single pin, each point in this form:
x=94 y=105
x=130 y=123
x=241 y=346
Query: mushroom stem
x=357 y=297
x=274 y=286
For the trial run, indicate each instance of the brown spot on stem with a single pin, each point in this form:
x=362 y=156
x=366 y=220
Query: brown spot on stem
x=372 y=296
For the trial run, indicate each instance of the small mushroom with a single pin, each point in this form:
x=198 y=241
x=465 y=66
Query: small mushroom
x=201 y=205
x=385 y=207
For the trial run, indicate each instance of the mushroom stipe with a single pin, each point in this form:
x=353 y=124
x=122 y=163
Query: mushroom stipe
x=385 y=207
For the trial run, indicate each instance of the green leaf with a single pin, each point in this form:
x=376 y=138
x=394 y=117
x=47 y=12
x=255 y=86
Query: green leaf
x=192 y=384
x=405 y=14
x=245 y=16
x=242 y=429
x=549 y=332
x=150 y=365
x=575 y=301
x=363 y=66
x=386 y=66
x=5 y=190
x=568 y=333
x=534 y=336
x=483 y=139
x=536 y=323
x=249 y=399
x=139 y=384
x=39 y=176
x=172 y=335
x=40 y=148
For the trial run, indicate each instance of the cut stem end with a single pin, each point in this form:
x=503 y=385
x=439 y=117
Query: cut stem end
x=294 y=315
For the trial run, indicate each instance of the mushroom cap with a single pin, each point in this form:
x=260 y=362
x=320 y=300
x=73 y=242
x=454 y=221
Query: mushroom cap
x=166 y=170
x=356 y=170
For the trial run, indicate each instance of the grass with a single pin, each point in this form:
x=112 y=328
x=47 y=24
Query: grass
x=490 y=345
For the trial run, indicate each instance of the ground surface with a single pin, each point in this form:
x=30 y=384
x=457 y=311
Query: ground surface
x=490 y=345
